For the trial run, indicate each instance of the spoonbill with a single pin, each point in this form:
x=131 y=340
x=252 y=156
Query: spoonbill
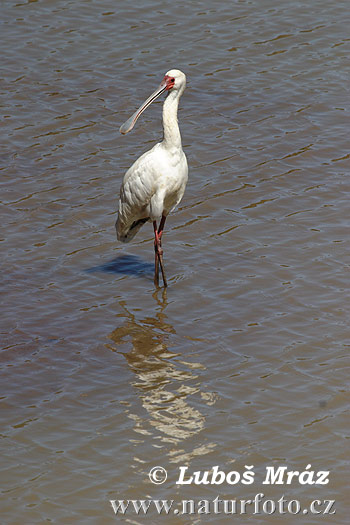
x=154 y=185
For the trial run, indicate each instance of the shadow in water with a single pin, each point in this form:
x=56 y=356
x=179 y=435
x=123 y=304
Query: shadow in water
x=168 y=385
x=125 y=265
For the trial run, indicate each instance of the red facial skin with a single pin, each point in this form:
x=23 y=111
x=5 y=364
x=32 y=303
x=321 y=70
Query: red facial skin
x=170 y=81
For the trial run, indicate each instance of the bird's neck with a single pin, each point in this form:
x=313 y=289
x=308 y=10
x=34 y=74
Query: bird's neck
x=172 y=137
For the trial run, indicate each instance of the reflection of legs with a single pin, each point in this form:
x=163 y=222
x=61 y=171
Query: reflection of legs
x=158 y=257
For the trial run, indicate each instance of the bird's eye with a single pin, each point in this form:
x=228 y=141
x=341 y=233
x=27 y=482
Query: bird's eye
x=172 y=79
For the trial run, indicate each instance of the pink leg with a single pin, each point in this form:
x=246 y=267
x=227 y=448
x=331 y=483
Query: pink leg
x=156 y=260
x=159 y=252
x=161 y=226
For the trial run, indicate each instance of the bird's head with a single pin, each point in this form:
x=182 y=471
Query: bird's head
x=174 y=81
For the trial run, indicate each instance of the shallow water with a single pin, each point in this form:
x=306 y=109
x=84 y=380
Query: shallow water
x=242 y=361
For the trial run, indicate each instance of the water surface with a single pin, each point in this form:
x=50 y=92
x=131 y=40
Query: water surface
x=242 y=361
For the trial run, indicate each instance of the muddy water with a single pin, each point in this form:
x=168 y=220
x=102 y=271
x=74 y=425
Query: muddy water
x=243 y=360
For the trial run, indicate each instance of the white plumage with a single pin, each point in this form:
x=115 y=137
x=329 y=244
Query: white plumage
x=156 y=182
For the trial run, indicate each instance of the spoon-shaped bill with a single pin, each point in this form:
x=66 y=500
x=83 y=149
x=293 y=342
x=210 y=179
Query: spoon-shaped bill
x=130 y=123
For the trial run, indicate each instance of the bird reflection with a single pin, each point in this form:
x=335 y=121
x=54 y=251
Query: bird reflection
x=165 y=381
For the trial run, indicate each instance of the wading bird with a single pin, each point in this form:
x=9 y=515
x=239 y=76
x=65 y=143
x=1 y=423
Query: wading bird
x=154 y=185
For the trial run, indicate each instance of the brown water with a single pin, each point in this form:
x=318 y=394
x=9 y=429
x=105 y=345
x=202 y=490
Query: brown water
x=243 y=360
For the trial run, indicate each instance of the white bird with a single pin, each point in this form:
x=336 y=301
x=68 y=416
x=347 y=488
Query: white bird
x=154 y=185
